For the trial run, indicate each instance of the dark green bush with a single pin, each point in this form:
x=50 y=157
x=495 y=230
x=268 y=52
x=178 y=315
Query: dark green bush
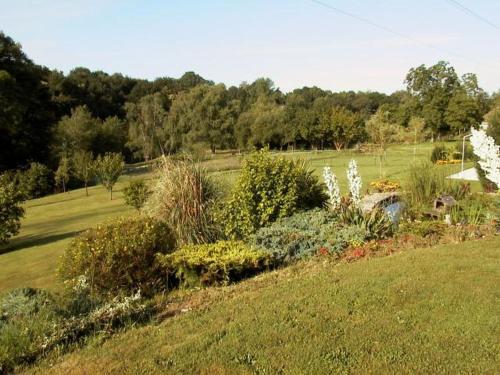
x=136 y=193
x=304 y=234
x=37 y=181
x=268 y=189
x=119 y=256
x=439 y=152
x=11 y=210
x=218 y=263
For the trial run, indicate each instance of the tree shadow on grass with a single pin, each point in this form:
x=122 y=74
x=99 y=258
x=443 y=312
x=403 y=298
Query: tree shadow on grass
x=25 y=242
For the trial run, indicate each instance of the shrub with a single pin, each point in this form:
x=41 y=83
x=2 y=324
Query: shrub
x=305 y=234
x=136 y=193
x=36 y=181
x=218 y=263
x=119 y=256
x=439 y=152
x=11 y=211
x=183 y=196
x=269 y=189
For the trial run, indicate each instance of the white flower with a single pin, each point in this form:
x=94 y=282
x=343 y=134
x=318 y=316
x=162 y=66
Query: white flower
x=333 y=187
x=488 y=152
x=354 y=180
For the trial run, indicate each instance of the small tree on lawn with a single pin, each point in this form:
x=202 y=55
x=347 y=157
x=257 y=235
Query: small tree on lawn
x=83 y=167
x=108 y=168
x=10 y=209
x=62 y=173
x=382 y=132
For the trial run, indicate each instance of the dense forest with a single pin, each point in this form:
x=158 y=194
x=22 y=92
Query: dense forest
x=47 y=116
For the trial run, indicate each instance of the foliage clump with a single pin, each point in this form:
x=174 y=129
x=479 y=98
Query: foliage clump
x=11 y=211
x=184 y=196
x=119 y=256
x=268 y=189
x=136 y=193
x=218 y=263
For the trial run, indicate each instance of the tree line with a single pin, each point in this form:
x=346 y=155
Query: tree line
x=52 y=118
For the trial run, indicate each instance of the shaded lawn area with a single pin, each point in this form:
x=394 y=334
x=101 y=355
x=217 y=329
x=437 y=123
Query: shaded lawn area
x=426 y=311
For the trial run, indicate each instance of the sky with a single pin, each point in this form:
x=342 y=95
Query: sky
x=296 y=43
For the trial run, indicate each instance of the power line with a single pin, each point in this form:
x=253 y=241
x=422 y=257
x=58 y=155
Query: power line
x=472 y=13
x=395 y=32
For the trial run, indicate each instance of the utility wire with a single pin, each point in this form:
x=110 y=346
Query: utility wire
x=472 y=13
x=397 y=33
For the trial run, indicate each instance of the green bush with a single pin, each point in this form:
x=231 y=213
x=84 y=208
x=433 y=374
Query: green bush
x=136 y=193
x=11 y=211
x=218 y=263
x=119 y=256
x=305 y=234
x=36 y=181
x=268 y=189
x=184 y=196
x=439 y=152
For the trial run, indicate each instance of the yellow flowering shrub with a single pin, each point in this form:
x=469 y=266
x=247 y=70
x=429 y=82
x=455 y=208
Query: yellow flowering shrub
x=217 y=263
x=119 y=256
x=450 y=161
x=385 y=185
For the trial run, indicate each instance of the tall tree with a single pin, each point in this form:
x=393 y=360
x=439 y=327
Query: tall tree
x=146 y=120
x=26 y=110
x=345 y=127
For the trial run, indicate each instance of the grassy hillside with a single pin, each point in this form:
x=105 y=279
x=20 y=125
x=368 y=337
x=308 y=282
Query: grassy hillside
x=31 y=257
x=425 y=311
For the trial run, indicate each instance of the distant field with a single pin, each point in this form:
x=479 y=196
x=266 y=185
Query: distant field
x=50 y=223
x=423 y=311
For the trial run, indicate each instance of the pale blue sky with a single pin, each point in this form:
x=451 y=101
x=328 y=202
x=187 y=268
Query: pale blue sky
x=294 y=42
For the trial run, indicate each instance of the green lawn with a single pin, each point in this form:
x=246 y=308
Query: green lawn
x=31 y=257
x=424 y=311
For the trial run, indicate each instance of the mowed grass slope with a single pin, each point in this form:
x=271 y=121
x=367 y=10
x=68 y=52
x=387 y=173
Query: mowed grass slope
x=50 y=222
x=423 y=311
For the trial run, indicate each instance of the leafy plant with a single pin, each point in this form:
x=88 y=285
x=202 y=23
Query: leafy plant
x=376 y=223
x=136 y=193
x=269 y=189
x=469 y=211
x=119 y=256
x=217 y=263
x=184 y=196
x=11 y=211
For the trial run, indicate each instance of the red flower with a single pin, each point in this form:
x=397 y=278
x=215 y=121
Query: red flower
x=358 y=253
x=323 y=251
